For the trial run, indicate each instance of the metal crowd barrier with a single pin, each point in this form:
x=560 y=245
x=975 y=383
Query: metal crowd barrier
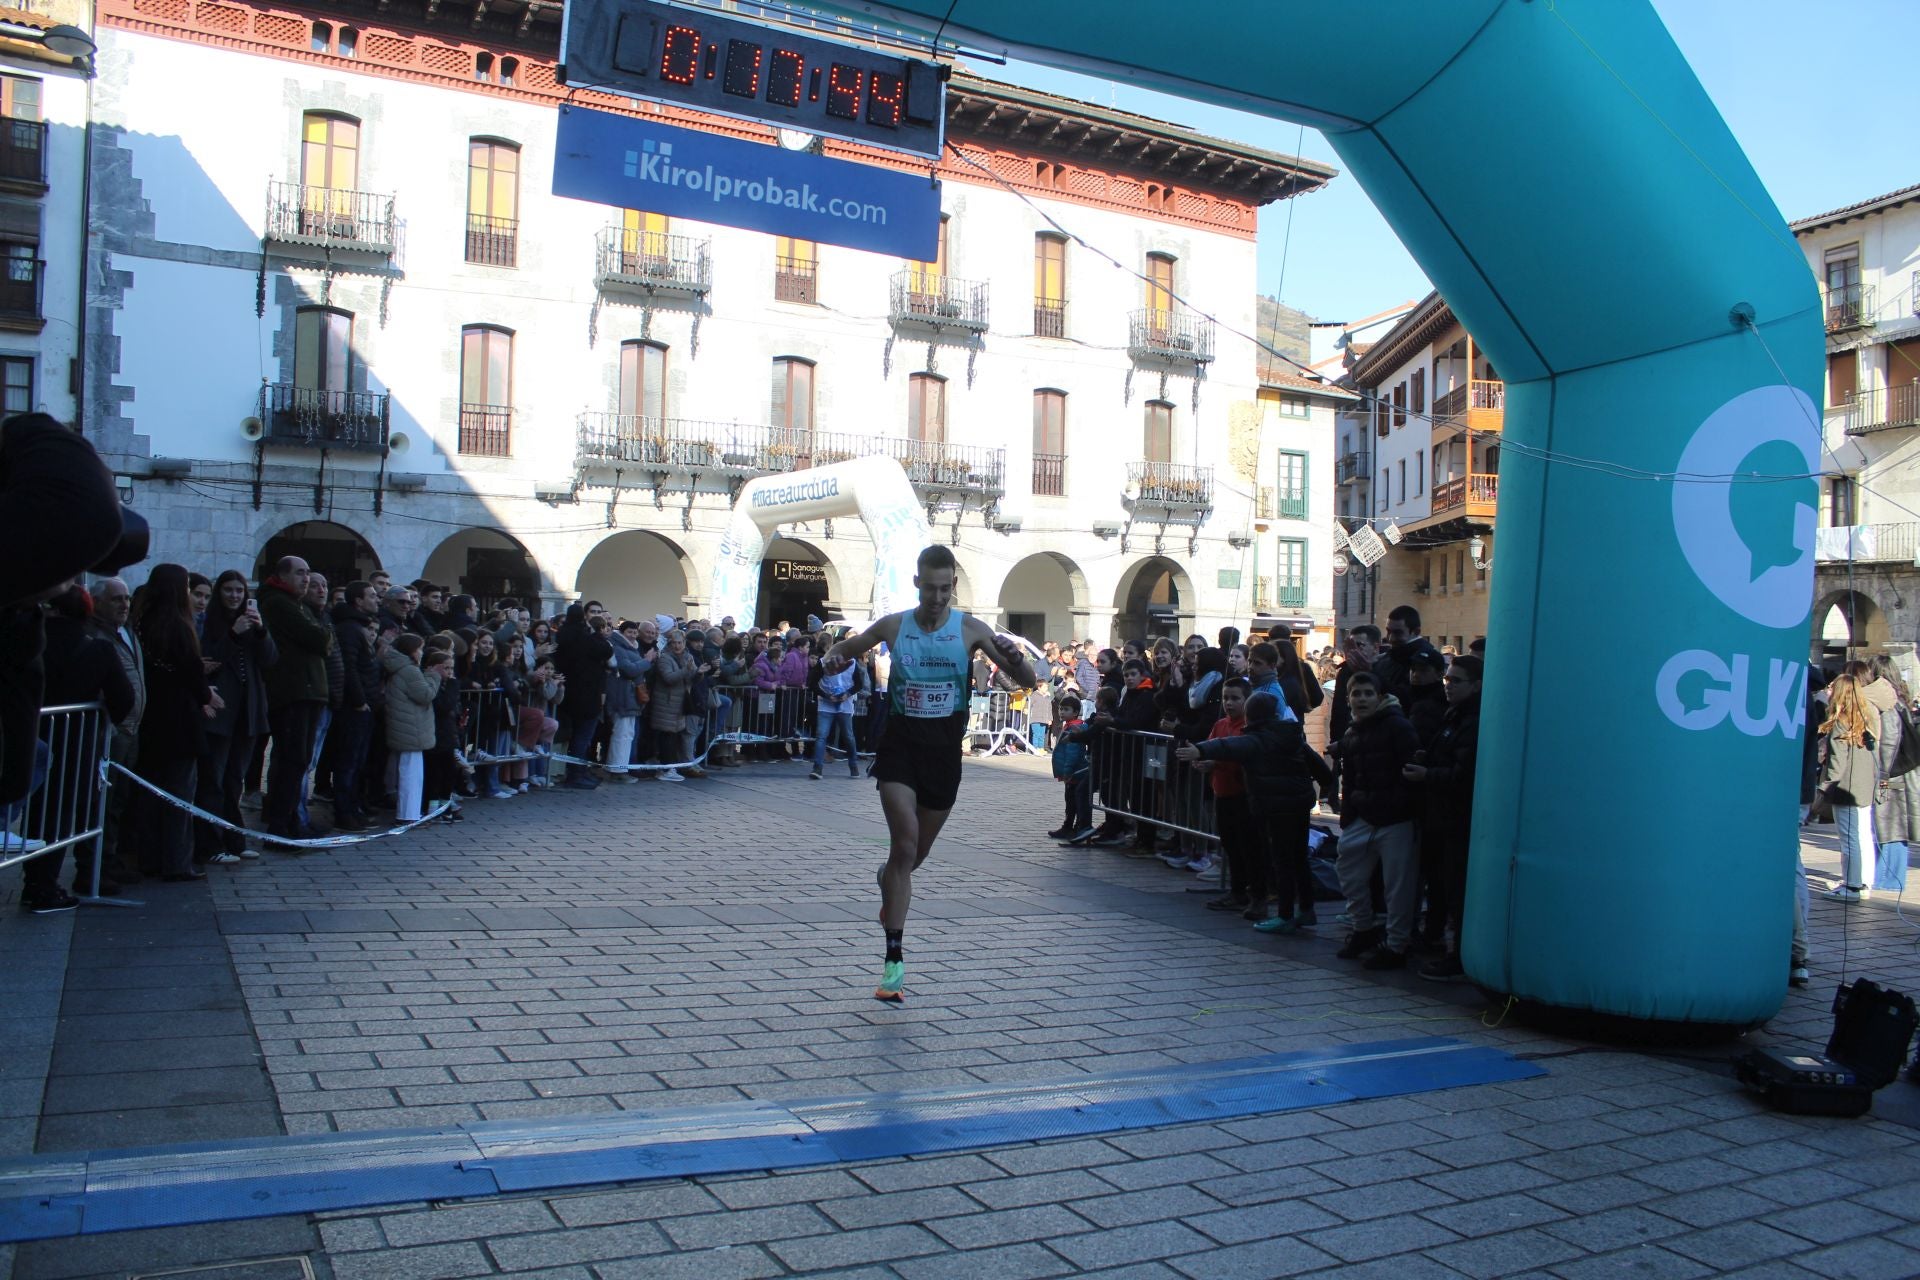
x=489 y=728
x=69 y=807
x=995 y=724
x=1136 y=775
x=775 y=715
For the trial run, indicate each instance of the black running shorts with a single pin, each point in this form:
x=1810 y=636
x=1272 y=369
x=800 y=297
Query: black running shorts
x=923 y=755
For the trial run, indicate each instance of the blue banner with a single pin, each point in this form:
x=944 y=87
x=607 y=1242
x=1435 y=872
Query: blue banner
x=642 y=164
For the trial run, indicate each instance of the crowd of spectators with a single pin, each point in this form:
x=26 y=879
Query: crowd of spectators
x=390 y=702
x=1200 y=756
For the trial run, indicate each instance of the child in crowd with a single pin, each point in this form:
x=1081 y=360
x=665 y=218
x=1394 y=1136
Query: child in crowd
x=1106 y=704
x=1246 y=860
x=1073 y=765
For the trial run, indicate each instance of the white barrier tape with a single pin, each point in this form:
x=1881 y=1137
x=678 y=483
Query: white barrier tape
x=318 y=842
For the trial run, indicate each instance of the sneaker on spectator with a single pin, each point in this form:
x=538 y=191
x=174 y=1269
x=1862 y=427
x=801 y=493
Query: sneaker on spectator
x=252 y=801
x=48 y=902
x=694 y=772
x=1203 y=865
x=618 y=776
x=1178 y=860
x=1797 y=976
x=1449 y=969
x=672 y=775
x=250 y=854
x=224 y=858
x=502 y=793
x=815 y=775
x=521 y=788
x=1058 y=833
x=1277 y=924
x=11 y=843
x=1084 y=836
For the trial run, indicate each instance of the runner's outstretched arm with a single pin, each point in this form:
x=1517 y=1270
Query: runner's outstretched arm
x=882 y=630
x=1010 y=657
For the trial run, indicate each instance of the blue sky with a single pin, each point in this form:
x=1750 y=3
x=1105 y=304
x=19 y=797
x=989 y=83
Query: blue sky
x=1820 y=114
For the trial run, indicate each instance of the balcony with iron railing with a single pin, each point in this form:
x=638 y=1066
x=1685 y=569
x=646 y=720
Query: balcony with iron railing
x=1291 y=593
x=1180 y=336
x=1913 y=292
x=1897 y=543
x=1049 y=475
x=486 y=430
x=796 y=280
x=682 y=445
x=1291 y=503
x=1049 y=317
x=1351 y=467
x=1883 y=409
x=1848 y=307
x=1170 y=485
x=21 y=280
x=654 y=262
x=323 y=217
x=1479 y=405
x=929 y=300
x=317 y=418
x=933 y=466
x=23 y=154
x=493 y=242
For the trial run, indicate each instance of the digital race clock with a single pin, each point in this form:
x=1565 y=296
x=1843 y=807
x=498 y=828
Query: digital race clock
x=723 y=64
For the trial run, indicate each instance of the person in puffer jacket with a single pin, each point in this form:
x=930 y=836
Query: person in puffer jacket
x=1377 y=809
x=410 y=695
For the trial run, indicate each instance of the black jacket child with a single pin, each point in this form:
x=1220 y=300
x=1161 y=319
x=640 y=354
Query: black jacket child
x=1372 y=755
x=1280 y=770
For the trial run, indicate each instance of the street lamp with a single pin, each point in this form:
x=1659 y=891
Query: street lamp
x=1477 y=547
x=64 y=40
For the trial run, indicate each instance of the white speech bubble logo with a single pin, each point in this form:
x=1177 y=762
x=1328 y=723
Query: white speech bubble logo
x=1782 y=596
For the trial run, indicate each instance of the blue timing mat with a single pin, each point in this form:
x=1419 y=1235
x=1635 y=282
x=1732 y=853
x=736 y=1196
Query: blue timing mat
x=43 y=1197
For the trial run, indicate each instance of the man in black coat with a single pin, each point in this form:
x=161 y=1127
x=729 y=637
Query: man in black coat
x=581 y=657
x=1395 y=667
x=362 y=698
x=1425 y=703
x=1445 y=778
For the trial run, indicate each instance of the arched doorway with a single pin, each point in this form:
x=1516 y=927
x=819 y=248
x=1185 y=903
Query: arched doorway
x=331 y=549
x=796 y=579
x=1155 y=598
x=1039 y=596
x=635 y=573
x=486 y=564
x=1847 y=625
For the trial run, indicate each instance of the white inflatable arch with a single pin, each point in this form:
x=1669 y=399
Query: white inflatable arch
x=875 y=489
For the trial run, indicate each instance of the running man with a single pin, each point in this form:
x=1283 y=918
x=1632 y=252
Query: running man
x=917 y=761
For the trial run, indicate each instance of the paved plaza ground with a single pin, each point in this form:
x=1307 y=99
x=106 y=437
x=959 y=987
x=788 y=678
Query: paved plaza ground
x=563 y=955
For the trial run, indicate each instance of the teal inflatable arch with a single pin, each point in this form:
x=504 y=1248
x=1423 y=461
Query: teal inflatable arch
x=1566 y=183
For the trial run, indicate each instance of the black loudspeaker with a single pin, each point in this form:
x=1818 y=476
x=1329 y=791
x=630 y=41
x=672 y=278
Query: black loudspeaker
x=1803 y=1086
x=1872 y=1027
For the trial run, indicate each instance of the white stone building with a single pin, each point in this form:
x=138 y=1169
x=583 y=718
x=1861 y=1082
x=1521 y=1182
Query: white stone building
x=338 y=310
x=43 y=124
x=1866 y=258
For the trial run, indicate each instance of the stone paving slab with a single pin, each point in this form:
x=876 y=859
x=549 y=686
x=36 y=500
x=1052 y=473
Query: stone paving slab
x=715 y=941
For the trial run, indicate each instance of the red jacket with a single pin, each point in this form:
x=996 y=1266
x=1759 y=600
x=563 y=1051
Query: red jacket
x=1227 y=778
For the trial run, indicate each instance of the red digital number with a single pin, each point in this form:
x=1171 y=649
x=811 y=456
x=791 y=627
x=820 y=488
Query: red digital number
x=843 y=91
x=886 y=95
x=680 y=55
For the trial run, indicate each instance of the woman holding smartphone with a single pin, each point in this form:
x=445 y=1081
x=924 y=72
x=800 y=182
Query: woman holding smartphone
x=237 y=650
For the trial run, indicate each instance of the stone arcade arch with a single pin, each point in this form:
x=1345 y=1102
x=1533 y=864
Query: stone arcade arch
x=1155 y=598
x=327 y=546
x=487 y=564
x=1041 y=595
x=1847 y=625
x=636 y=573
x=1608 y=244
x=875 y=489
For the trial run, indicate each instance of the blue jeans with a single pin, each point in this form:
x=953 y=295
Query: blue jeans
x=320 y=723
x=836 y=725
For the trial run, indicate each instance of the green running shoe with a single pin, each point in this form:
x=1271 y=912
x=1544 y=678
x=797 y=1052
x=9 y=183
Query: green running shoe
x=893 y=975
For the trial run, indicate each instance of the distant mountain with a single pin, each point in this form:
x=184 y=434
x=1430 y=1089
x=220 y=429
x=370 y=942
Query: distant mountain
x=1286 y=330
